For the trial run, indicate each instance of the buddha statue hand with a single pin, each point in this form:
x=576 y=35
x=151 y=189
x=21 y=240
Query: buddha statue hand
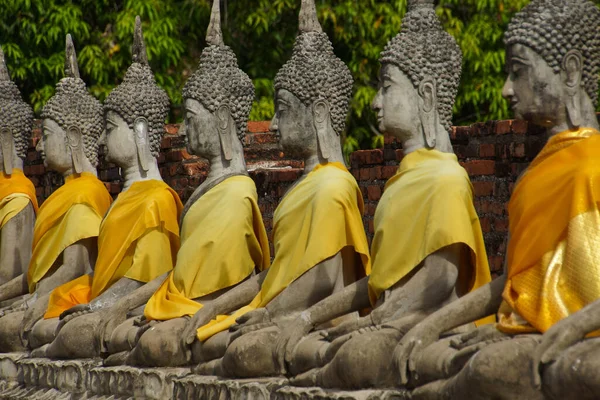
x=144 y=325
x=411 y=345
x=201 y=318
x=292 y=333
x=251 y=321
x=555 y=341
x=109 y=320
x=32 y=315
x=72 y=313
x=482 y=336
x=346 y=328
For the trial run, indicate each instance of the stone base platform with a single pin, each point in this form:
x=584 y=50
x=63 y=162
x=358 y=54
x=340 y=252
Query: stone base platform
x=22 y=377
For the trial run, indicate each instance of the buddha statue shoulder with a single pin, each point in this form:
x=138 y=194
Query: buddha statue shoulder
x=553 y=55
x=18 y=201
x=318 y=231
x=68 y=222
x=427 y=247
x=135 y=112
x=223 y=238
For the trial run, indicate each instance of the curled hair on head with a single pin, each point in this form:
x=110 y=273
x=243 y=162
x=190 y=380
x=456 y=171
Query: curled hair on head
x=72 y=105
x=314 y=72
x=138 y=96
x=15 y=115
x=219 y=80
x=424 y=49
x=552 y=28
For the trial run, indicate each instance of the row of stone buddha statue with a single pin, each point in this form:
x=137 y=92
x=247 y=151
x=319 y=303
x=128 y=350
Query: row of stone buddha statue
x=146 y=281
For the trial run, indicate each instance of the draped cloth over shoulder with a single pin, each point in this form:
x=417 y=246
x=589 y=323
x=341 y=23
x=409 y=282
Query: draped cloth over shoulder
x=139 y=239
x=223 y=239
x=426 y=206
x=72 y=213
x=16 y=193
x=554 y=222
x=316 y=220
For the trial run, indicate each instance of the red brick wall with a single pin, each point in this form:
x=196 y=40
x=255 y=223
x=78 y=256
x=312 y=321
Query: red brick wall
x=493 y=154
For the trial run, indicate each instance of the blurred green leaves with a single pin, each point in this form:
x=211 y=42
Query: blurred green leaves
x=261 y=32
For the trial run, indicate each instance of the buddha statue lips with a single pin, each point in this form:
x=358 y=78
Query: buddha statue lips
x=431 y=261
x=68 y=222
x=127 y=258
x=553 y=56
x=223 y=239
x=312 y=258
x=18 y=201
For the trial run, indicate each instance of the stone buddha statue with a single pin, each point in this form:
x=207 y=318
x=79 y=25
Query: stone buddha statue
x=18 y=202
x=552 y=268
x=319 y=239
x=428 y=246
x=68 y=222
x=139 y=236
x=223 y=239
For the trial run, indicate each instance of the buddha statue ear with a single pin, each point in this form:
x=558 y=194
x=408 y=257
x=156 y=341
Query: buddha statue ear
x=428 y=94
x=140 y=133
x=571 y=73
x=75 y=144
x=8 y=144
x=226 y=128
x=322 y=123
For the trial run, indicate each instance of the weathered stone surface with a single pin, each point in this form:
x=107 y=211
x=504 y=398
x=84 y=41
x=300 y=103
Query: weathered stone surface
x=295 y=393
x=210 y=387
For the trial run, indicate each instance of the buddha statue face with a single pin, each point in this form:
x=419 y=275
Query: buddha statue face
x=119 y=141
x=16 y=120
x=200 y=130
x=294 y=123
x=53 y=147
x=534 y=90
x=397 y=104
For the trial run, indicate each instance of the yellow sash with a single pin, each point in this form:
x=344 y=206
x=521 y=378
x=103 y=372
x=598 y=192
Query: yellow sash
x=11 y=205
x=223 y=239
x=426 y=206
x=314 y=221
x=70 y=214
x=15 y=189
x=554 y=221
x=139 y=239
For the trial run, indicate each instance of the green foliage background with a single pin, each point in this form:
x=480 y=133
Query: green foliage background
x=261 y=32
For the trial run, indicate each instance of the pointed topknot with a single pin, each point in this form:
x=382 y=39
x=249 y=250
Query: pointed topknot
x=214 y=35
x=71 y=66
x=412 y=4
x=139 y=47
x=308 y=17
x=4 y=76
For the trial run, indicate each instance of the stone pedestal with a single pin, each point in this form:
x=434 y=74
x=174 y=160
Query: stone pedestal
x=295 y=393
x=127 y=382
x=210 y=387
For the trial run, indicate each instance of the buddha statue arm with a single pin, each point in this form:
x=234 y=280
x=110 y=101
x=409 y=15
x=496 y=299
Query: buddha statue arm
x=313 y=286
x=77 y=260
x=427 y=288
x=117 y=314
x=230 y=301
x=471 y=307
x=13 y=288
x=16 y=237
x=563 y=335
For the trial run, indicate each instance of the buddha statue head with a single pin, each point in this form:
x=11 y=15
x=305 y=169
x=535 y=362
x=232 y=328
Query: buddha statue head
x=312 y=93
x=135 y=114
x=553 y=59
x=72 y=123
x=218 y=98
x=419 y=78
x=16 y=120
